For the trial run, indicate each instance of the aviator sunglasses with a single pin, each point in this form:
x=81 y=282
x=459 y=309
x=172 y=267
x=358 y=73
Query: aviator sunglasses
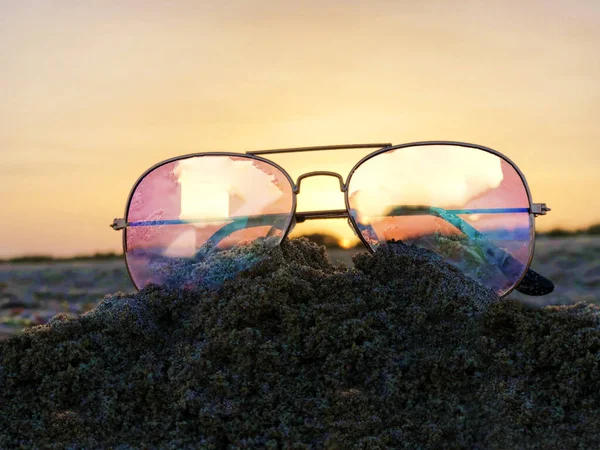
x=468 y=204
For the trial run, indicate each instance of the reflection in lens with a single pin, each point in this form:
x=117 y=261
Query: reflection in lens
x=467 y=205
x=185 y=209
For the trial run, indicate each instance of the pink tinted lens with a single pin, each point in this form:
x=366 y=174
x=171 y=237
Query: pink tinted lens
x=202 y=203
x=467 y=205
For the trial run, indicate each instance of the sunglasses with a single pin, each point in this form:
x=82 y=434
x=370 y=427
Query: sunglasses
x=468 y=204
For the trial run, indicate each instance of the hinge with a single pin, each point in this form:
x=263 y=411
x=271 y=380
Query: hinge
x=118 y=224
x=539 y=209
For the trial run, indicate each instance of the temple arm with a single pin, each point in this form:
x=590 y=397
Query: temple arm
x=532 y=283
x=238 y=223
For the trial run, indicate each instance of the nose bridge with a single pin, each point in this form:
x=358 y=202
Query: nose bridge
x=320 y=173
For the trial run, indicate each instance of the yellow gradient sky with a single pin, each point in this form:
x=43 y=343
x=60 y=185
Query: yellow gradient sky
x=95 y=92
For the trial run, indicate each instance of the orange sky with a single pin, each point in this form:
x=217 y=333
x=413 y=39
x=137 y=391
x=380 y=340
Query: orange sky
x=93 y=93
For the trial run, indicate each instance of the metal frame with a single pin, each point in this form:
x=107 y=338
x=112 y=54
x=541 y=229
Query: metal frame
x=535 y=209
x=122 y=223
x=462 y=145
x=318 y=148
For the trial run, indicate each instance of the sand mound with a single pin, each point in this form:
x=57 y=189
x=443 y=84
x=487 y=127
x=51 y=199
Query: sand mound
x=402 y=351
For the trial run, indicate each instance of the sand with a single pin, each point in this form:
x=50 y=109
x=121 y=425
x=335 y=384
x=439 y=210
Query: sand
x=288 y=351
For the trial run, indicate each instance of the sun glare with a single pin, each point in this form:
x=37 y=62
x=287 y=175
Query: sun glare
x=203 y=201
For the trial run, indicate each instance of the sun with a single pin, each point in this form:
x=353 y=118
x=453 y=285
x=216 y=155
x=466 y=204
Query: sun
x=345 y=243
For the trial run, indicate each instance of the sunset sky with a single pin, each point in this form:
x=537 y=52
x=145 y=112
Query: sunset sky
x=95 y=92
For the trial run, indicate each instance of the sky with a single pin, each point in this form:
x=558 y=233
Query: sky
x=95 y=92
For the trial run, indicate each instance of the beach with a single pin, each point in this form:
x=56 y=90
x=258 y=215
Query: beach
x=401 y=351
x=30 y=294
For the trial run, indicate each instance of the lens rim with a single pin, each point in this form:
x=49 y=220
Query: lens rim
x=452 y=144
x=194 y=155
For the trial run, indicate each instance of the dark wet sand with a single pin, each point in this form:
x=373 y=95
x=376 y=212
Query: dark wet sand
x=401 y=352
